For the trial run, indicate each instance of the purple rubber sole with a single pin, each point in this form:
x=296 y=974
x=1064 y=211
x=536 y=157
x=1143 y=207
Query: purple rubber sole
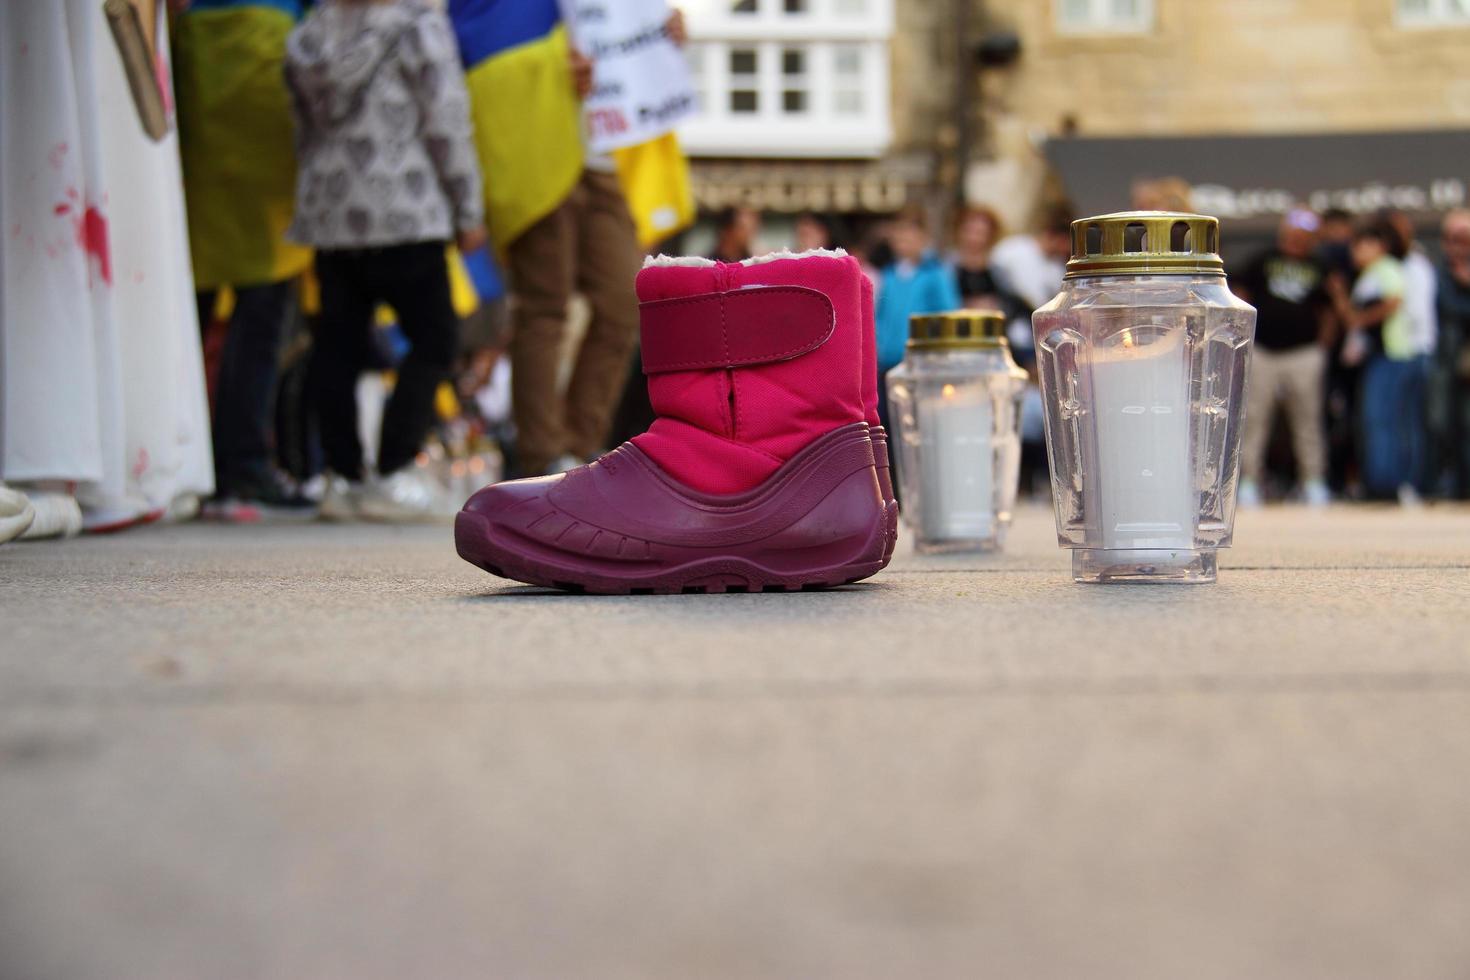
x=621 y=525
x=477 y=543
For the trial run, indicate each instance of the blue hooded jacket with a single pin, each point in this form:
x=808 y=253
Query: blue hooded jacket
x=928 y=287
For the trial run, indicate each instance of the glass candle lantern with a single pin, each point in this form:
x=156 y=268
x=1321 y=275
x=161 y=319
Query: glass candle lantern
x=955 y=401
x=1142 y=358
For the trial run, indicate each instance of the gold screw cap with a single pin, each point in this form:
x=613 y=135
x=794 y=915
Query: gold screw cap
x=1155 y=243
x=957 y=329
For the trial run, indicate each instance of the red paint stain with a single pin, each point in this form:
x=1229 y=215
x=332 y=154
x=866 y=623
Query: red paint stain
x=140 y=466
x=57 y=155
x=91 y=231
x=71 y=192
x=61 y=209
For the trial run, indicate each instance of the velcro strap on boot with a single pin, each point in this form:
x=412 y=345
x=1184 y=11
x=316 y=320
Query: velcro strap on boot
x=738 y=328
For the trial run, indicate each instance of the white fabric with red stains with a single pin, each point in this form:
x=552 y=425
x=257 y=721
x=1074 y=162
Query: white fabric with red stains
x=101 y=378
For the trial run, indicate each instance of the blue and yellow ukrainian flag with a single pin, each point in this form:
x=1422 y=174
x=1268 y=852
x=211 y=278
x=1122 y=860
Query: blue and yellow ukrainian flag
x=528 y=125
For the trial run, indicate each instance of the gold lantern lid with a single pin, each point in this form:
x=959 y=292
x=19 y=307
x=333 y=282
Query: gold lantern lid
x=1154 y=243
x=957 y=329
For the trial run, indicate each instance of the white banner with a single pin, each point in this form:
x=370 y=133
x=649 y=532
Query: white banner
x=640 y=81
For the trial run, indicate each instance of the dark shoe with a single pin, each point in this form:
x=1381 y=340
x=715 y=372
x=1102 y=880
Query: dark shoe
x=269 y=498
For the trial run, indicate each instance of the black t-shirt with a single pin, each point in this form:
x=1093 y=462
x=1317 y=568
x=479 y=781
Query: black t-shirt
x=981 y=283
x=975 y=282
x=1288 y=295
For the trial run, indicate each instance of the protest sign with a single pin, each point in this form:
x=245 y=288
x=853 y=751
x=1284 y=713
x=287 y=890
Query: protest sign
x=640 y=82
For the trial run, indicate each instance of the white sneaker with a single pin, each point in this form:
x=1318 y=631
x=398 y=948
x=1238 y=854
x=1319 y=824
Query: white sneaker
x=1409 y=497
x=16 y=513
x=182 y=509
x=341 y=499
x=406 y=496
x=1316 y=494
x=58 y=515
x=315 y=488
x=1248 y=496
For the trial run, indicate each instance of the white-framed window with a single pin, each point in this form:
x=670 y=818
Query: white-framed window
x=789 y=78
x=745 y=79
x=795 y=80
x=1104 y=16
x=1432 y=13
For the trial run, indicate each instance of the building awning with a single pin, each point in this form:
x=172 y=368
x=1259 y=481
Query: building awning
x=831 y=186
x=1249 y=181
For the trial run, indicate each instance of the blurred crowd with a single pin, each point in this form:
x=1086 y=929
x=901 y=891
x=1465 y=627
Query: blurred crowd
x=358 y=174
x=1361 y=342
x=1360 y=374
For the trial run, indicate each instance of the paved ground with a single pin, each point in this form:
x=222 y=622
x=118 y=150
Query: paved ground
x=331 y=752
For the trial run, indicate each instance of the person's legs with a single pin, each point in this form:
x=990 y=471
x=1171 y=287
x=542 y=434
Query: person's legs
x=1260 y=408
x=1379 y=414
x=541 y=263
x=415 y=281
x=337 y=356
x=608 y=259
x=1413 y=432
x=246 y=386
x=1344 y=433
x=1302 y=377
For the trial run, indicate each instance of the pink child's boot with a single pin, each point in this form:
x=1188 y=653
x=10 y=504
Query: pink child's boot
x=758 y=472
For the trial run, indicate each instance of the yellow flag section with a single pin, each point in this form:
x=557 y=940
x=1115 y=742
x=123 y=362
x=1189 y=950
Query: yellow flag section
x=528 y=131
x=655 y=180
x=236 y=141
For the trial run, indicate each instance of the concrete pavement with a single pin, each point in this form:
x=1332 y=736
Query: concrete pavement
x=320 y=752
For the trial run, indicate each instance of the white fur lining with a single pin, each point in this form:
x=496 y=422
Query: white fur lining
x=786 y=253
x=694 y=261
x=662 y=261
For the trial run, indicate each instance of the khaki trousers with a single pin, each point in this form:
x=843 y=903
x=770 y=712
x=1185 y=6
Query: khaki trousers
x=1293 y=379
x=587 y=245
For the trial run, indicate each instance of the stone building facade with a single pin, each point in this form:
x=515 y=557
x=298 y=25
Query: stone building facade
x=953 y=128
x=1207 y=68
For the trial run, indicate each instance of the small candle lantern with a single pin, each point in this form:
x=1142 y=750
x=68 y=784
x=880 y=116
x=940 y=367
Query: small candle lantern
x=956 y=404
x=1143 y=358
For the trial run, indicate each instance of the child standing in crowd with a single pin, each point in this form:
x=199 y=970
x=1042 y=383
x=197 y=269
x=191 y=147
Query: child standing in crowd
x=915 y=282
x=1380 y=337
x=388 y=174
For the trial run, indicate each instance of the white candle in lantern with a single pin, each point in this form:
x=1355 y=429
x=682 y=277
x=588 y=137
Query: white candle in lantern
x=957 y=480
x=1140 y=390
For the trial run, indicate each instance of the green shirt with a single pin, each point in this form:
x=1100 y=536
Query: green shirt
x=1384 y=280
